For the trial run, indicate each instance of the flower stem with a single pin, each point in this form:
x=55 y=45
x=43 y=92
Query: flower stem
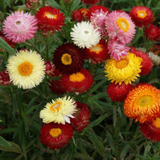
x=47 y=45
x=43 y=3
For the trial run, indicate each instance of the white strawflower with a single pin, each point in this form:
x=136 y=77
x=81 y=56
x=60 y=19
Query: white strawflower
x=59 y=110
x=155 y=58
x=84 y=35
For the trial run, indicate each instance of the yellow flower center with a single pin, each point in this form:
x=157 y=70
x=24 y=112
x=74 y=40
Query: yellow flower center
x=120 y=64
x=76 y=77
x=25 y=68
x=141 y=14
x=145 y=100
x=55 y=132
x=157 y=52
x=123 y=24
x=50 y=15
x=66 y=59
x=97 y=49
x=84 y=11
x=56 y=107
x=157 y=122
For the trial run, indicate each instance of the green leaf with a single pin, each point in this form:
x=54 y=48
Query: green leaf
x=75 y=4
x=4 y=45
x=124 y=151
x=12 y=148
x=82 y=156
x=4 y=142
x=53 y=3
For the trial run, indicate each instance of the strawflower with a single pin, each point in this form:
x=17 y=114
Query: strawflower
x=59 y=110
x=26 y=69
x=19 y=27
x=90 y=2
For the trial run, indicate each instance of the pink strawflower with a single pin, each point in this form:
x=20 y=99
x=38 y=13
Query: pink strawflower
x=119 y=25
x=98 y=19
x=117 y=49
x=19 y=26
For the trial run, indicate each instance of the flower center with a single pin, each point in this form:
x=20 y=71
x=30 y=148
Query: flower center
x=66 y=59
x=145 y=100
x=50 y=15
x=120 y=64
x=84 y=11
x=97 y=49
x=76 y=77
x=141 y=14
x=157 y=122
x=123 y=24
x=86 y=32
x=25 y=68
x=18 y=22
x=56 y=107
x=157 y=52
x=55 y=132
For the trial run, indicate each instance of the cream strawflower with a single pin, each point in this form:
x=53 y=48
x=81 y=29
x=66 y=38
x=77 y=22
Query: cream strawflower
x=59 y=110
x=26 y=69
x=84 y=35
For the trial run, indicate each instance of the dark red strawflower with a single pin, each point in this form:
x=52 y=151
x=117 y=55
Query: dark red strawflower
x=90 y=2
x=51 y=70
x=30 y=3
x=99 y=8
x=146 y=64
x=56 y=87
x=4 y=78
x=151 y=130
x=68 y=58
x=118 y=92
x=80 y=14
x=152 y=32
x=141 y=16
x=78 y=82
x=49 y=19
x=82 y=117
x=56 y=136
x=155 y=49
x=98 y=53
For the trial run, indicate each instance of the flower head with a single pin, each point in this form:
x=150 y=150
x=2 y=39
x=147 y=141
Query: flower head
x=90 y=2
x=141 y=16
x=98 y=53
x=59 y=110
x=117 y=49
x=146 y=63
x=84 y=35
x=56 y=136
x=26 y=69
x=118 y=92
x=120 y=26
x=4 y=78
x=19 y=27
x=142 y=103
x=151 y=129
x=82 y=117
x=152 y=32
x=78 y=82
x=49 y=19
x=68 y=58
x=124 y=70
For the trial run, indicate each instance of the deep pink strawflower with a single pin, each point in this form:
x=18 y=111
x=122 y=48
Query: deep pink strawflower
x=120 y=26
x=117 y=49
x=19 y=27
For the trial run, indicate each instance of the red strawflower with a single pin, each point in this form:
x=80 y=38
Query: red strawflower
x=80 y=14
x=12 y=44
x=82 y=117
x=68 y=58
x=151 y=129
x=152 y=32
x=56 y=87
x=56 y=136
x=30 y=3
x=51 y=70
x=155 y=49
x=141 y=16
x=78 y=82
x=90 y=2
x=49 y=19
x=146 y=63
x=98 y=53
x=118 y=92
x=4 y=78
x=99 y=8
